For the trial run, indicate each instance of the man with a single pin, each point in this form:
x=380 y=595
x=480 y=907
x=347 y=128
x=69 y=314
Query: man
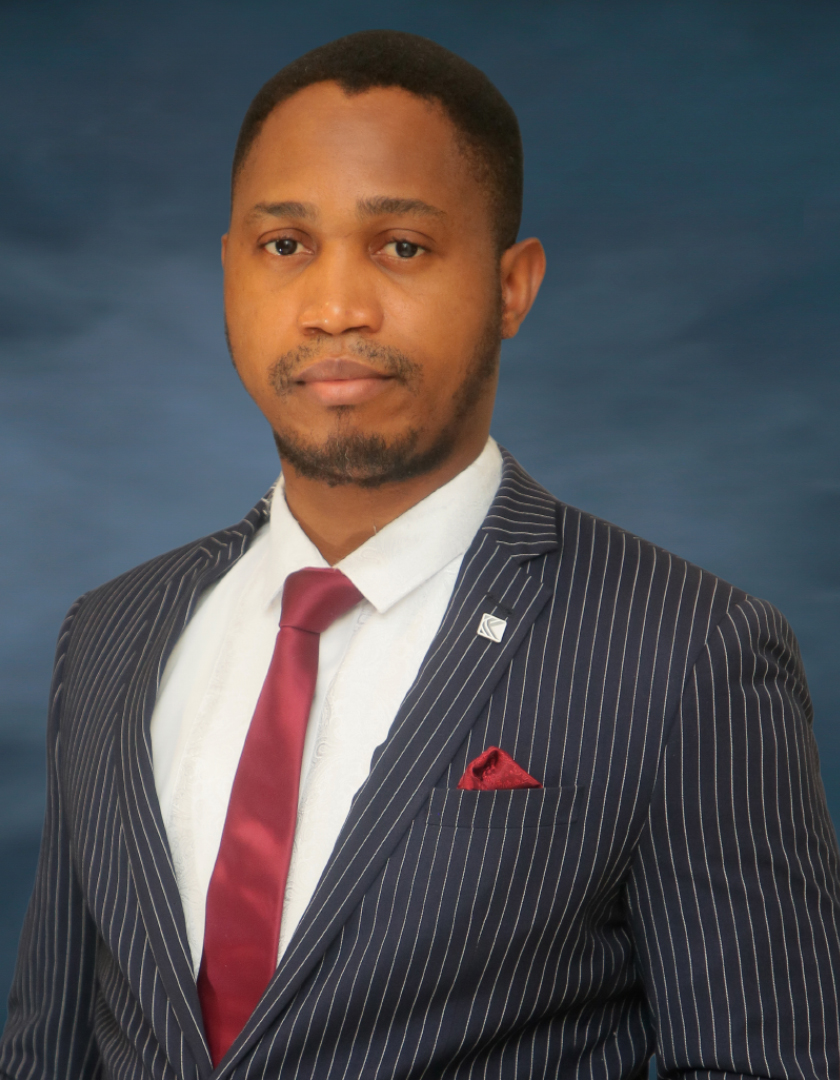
x=511 y=792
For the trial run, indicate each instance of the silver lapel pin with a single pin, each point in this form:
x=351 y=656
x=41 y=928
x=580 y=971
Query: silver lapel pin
x=491 y=628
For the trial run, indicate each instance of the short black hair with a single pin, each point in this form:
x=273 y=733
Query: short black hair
x=485 y=123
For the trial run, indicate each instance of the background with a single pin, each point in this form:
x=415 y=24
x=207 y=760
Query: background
x=679 y=374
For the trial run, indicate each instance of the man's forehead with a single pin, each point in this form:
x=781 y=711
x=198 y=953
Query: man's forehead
x=325 y=119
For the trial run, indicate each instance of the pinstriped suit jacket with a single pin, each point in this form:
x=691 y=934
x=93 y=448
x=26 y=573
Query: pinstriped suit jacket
x=674 y=883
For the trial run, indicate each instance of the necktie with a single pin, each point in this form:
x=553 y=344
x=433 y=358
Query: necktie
x=245 y=896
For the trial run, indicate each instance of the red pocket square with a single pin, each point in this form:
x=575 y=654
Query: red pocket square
x=494 y=770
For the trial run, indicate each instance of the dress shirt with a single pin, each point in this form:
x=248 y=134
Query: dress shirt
x=367 y=662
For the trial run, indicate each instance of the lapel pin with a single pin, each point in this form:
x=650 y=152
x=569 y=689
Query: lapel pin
x=491 y=628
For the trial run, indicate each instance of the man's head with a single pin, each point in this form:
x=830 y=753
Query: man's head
x=371 y=268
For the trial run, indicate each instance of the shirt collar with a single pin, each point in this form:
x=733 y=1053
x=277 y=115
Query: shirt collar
x=408 y=551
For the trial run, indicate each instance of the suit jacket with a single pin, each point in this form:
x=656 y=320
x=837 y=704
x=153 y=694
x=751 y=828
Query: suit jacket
x=673 y=884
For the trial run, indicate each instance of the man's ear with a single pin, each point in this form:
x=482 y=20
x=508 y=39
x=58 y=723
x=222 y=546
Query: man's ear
x=224 y=248
x=522 y=268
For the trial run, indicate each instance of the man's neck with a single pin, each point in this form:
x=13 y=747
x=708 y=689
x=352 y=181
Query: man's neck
x=341 y=518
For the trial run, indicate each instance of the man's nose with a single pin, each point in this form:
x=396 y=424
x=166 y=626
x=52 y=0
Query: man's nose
x=340 y=293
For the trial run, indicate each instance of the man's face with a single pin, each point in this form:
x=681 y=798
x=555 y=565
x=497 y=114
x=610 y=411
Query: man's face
x=362 y=288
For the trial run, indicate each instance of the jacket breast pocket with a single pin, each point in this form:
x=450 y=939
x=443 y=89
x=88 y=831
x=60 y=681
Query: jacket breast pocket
x=521 y=808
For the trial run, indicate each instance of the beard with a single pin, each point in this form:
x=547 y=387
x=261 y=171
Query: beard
x=369 y=460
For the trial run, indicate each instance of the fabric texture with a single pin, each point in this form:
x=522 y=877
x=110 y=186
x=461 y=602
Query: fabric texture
x=368 y=660
x=673 y=886
x=245 y=897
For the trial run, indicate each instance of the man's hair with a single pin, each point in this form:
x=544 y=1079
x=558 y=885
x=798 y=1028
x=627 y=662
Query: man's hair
x=485 y=125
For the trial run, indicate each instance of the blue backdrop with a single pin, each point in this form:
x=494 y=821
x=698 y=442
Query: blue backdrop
x=679 y=374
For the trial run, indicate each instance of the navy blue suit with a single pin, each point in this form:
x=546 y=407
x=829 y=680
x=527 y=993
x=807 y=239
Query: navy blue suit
x=674 y=885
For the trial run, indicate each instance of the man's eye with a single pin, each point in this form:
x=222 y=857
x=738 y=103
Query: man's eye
x=403 y=249
x=284 y=246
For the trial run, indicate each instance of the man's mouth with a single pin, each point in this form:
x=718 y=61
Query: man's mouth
x=342 y=381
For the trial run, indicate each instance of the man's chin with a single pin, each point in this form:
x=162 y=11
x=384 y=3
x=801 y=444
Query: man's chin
x=368 y=461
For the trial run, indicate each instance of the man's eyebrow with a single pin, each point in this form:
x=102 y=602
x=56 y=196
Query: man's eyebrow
x=379 y=205
x=290 y=209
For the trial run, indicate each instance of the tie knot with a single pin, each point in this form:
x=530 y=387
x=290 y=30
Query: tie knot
x=315 y=597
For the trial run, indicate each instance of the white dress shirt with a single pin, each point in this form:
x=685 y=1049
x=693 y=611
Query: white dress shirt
x=368 y=660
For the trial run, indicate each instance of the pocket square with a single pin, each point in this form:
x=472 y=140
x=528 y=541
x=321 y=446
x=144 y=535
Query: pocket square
x=494 y=770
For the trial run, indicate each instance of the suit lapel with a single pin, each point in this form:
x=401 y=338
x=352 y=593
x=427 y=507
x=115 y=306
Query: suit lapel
x=167 y=612
x=456 y=680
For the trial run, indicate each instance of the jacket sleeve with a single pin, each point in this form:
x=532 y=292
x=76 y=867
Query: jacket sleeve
x=49 y=1031
x=734 y=893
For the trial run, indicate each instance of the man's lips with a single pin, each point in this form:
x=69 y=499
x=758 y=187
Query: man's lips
x=338 y=370
x=341 y=381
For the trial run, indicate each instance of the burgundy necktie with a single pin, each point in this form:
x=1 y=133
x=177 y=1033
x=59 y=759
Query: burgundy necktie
x=245 y=896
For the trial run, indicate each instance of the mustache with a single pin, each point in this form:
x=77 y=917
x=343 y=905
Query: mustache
x=384 y=359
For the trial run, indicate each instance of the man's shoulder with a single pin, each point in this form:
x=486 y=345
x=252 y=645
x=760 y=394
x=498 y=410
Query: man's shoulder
x=615 y=595
x=192 y=565
x=601 y=571
x=629 y=551
x=525 y=507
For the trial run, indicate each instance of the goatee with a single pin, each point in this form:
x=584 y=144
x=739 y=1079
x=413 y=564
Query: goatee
x=352 y=456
